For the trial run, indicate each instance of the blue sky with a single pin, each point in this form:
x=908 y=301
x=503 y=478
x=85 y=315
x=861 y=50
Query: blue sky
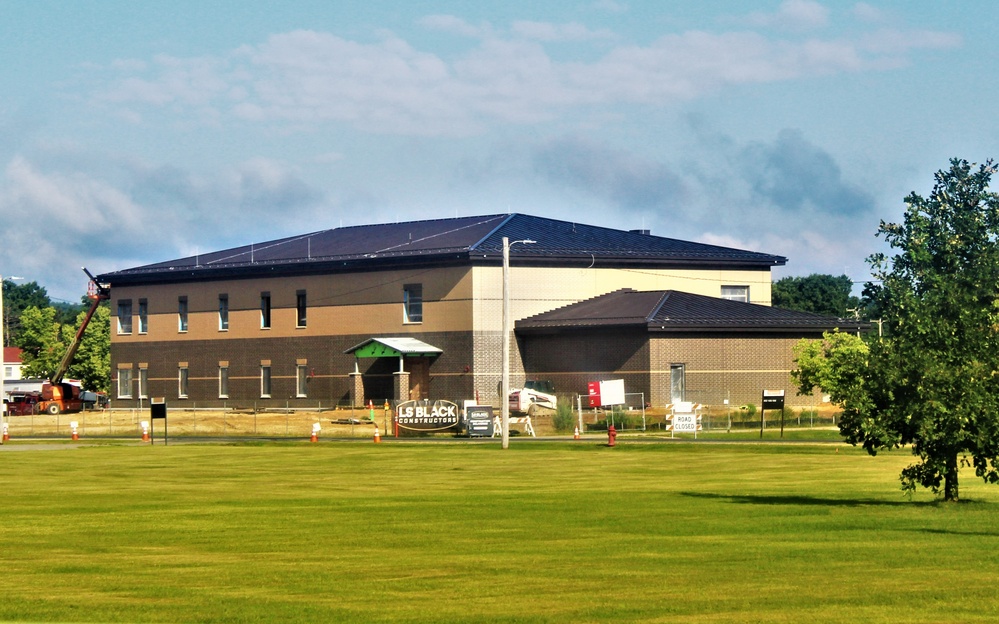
x=136 y=132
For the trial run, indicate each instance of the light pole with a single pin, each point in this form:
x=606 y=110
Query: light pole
x=505 y=386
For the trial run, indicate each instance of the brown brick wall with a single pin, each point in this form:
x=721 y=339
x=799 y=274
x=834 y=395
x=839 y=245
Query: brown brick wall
x=737 y=368
x=719 y=368
x=324 y=356
x=572 y=360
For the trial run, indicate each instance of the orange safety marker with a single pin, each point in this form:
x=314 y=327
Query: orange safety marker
x=378 y=436
x=575 y=434
x=6 y=433
x=145 y=431
x=73 y=426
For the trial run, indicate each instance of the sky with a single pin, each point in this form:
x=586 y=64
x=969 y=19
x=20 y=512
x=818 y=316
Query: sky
x=139 y=132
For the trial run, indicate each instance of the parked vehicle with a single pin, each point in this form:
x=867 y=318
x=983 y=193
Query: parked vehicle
x=535 y=394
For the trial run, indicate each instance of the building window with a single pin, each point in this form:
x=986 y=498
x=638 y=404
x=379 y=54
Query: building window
x=143 y=316
x=223 y=312
x=412 y=303
x=8 y=372
x=125 y=316
x=300 y=307
x=143 y=383
x=125 y=383
x=265 y=310
x=182 y=382
x=735 y=293
x=677 y=382
x=302 y=386
x=265 y=382
x=182 y=314
x=223 y=382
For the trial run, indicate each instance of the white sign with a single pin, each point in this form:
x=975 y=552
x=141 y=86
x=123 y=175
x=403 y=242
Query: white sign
x=612 y=392
x=685 y=423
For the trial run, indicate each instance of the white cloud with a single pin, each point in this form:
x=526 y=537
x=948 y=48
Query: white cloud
x=133 y=212
x=546 y=31
x=610 y=6
x=793 y=15
x=307 y=77
x=454 y=25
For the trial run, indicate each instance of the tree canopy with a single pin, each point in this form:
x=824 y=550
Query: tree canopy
x=819 y=294
x=932 y=380
x=44 y=341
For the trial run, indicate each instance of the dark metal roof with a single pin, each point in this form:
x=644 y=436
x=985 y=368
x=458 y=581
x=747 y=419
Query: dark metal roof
x=676 y=311
x=464 y=240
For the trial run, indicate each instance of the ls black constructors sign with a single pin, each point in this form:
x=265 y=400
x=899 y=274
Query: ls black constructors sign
x=427 y=416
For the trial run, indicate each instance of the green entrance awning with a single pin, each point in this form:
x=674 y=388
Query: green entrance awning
x=394 y=347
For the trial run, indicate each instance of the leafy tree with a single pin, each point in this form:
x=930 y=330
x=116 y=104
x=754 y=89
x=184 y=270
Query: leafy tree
x=933 y=380
x=43 y=341
x=819 y=294
x=836 y=364
x=92 y=364
x=16 y=299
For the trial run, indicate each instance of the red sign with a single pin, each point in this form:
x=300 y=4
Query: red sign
x=593 y=389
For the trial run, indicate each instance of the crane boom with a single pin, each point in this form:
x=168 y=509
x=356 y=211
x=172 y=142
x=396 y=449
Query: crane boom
x=97 y=293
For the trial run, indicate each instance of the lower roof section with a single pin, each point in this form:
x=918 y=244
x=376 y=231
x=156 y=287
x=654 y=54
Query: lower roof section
x=677 y=311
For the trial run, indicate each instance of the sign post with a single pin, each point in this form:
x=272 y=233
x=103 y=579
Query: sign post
x=158 y=410
x=772 y=399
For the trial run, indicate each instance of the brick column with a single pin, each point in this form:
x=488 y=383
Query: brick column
x=356 y=390
x=401 y=385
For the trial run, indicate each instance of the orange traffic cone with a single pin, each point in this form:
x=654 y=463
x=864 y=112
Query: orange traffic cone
x=314 y=438
x=575 y=434
x=145 y=431
x=378 y=436
x=6 y=434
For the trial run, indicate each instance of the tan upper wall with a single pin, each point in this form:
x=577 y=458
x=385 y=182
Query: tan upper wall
x=536 y=290
x=339 y=304
x=454 y=299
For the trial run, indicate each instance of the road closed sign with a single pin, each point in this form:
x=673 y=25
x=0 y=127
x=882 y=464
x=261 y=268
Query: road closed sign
x=686 y=423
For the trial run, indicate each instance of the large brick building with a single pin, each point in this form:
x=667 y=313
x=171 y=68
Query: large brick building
x=404 y=310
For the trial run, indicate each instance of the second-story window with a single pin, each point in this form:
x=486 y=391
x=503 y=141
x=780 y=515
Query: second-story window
x=300 y=307
x=412 y=303
x=143 y=316
x=265 y=310
x=735 y=293
x=223 y=312
x=182 y=314
x=125 y=316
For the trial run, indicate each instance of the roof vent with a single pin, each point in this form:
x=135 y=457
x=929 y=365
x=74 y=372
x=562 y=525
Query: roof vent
x=642 y=232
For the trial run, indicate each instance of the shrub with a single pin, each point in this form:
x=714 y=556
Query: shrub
x=564 y=418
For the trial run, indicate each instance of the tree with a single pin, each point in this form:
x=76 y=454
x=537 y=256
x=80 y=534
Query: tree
x=92 y=364
x=16 y=299
x=819 y=294
x=835 y=364
x=45 y=340
x=933 y=380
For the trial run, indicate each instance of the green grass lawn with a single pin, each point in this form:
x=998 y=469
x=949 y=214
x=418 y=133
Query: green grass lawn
x=454 y=532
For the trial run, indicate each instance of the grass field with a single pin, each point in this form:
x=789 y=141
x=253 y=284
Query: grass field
x=457 y=532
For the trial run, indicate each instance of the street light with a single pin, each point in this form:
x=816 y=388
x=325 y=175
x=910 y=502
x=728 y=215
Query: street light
x=505 y=386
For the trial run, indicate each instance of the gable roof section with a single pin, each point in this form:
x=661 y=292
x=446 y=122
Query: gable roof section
x=676 y=311
x=464 y=240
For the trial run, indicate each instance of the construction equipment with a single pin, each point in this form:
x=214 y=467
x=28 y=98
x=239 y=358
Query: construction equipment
x=535 y=394
x=55 y=395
